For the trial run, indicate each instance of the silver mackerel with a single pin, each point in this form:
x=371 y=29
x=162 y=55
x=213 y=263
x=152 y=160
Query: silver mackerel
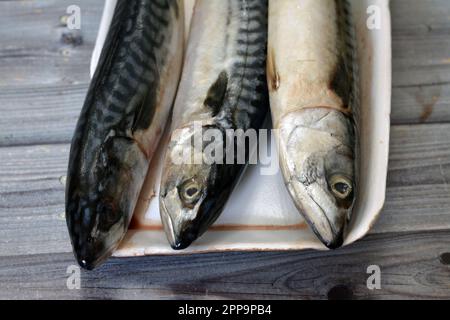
x=223 y=87
x=314 y=104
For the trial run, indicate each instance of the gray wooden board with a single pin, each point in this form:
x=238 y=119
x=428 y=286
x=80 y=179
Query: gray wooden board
x=44 y=69
x=421 y=61
x=411 y=267
x=43 y=79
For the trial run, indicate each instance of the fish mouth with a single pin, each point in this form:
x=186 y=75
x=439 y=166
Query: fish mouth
x=92 y=247
x=330 y=233
x=89 y=263
x=181 y=243
x=179 y=235
x=335 y=241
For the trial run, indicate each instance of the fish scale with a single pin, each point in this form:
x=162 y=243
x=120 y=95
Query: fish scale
x=223 y=87
x=124 y=114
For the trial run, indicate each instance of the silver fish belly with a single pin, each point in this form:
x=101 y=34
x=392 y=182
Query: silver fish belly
x=122 y=120
x=223 y=87
x=314 y=104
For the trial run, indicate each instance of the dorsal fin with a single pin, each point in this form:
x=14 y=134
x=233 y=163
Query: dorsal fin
x=216 y=93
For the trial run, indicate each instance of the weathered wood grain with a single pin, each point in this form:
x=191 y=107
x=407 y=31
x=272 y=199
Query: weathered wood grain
x=410 y=268
x=36 y=47
x=421 y=61
x=32 y=195
x=418 y=194
x=44 y=69
x=420 y=31
x=39 y=114
x=32 y=199
x=44 y=79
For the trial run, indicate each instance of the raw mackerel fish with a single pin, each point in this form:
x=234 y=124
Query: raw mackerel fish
x=313 y=96
x=223 y=87
x=123 y=117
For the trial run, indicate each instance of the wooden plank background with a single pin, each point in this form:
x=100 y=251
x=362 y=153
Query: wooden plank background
x=44 y=75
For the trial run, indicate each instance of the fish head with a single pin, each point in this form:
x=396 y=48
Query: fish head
x=100 y=201
x=193 y=191
x=318 y=160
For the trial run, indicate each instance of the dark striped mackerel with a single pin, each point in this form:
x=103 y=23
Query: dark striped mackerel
x=124 y=114
x=223 y=87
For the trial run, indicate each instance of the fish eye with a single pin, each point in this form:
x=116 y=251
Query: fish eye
x=190 y=192
x=341 y=186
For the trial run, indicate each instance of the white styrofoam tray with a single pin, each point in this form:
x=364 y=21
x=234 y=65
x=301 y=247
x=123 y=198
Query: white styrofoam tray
x=260 y=214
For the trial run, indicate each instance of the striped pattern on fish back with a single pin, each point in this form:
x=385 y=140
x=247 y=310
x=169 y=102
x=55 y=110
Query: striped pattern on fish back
x=246 y=102
x=123 y=92
x=346 y=32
